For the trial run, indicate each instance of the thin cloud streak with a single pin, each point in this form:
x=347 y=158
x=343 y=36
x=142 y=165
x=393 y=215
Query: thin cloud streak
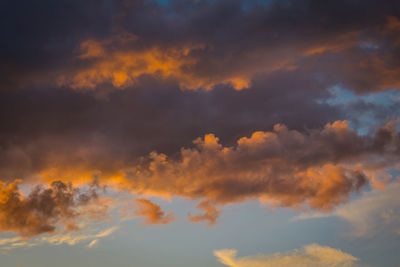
x=88 y=234
x=309 y=256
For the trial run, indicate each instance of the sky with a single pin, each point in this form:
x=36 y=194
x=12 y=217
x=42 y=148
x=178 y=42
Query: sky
x=202 y=133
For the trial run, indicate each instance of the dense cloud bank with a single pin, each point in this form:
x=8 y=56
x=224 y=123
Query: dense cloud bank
x=117 y=91
x=42 y=129
x=199 y=44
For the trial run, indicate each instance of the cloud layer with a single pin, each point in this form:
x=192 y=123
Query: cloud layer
x=218 y=102
x=318 y=169
x=203 y=44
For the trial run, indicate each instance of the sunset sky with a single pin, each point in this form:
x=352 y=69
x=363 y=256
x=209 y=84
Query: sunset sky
x=199 y=133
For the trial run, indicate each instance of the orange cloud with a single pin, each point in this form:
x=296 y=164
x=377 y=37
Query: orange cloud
x=284 y=167
x=337 y=44
x=210 y=213
x=311 y=256
x=42 y=210
x=317 y=169
x=122 y=61
x=392 y=25
x=122 y=67
x=383 y=75
x=152 y=212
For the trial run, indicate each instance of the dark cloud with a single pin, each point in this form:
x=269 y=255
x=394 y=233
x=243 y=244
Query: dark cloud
x=88 y=89
x=47 y=128
x=39 y=38
x=200 y=44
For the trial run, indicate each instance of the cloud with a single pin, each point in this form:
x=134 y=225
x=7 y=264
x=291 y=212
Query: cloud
x=285 y=167
x=152 y=212
x=72 y=238
x=317 y=169
x=210 y=213
x=93 y=243
x=44 y=136
x=309 y=256
x=43 y=209
x=374 y=213
x=286 y=54
x=201 y=44
x=123 y=68
x=204 y=64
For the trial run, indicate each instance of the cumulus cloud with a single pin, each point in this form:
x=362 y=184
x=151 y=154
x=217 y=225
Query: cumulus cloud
x=285 y=167
x=309 y=256
x=43 y=209
x=317 y=168
x=152 y=212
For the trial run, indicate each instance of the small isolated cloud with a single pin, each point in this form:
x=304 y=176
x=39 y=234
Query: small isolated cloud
x=93 y=243
x=152 y=212
x=309 y=256
x=374 y=212
x=210 y=214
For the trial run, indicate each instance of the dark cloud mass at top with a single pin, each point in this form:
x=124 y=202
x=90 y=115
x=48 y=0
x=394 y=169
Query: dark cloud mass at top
x=106 y=88
x=205 y=43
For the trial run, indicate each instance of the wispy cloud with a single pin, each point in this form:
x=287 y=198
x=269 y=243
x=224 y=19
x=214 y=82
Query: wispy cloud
x=87 y=234
x=309 y=256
